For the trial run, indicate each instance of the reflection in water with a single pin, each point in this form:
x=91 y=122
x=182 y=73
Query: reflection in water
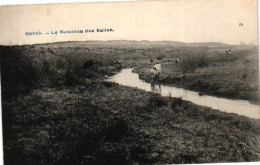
x=241 y=107
x=156 y=88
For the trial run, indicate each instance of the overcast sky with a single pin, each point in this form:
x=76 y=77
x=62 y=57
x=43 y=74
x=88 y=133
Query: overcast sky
x=175 y=20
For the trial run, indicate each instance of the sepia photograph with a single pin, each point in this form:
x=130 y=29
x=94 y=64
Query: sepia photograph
x=140 y=82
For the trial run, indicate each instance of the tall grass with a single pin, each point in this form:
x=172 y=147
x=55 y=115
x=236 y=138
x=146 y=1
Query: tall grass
x=24 y=69
x=90 y=124
x=17 y=71
x=192 y=62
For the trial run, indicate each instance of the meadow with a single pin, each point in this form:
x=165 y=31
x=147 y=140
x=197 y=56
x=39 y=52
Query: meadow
x=57 y=108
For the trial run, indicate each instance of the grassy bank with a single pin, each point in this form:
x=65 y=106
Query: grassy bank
x=104 y=123
x=57 y=109
x=203 y=67
x=232 y=76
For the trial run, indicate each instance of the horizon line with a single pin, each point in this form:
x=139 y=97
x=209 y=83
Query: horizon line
x=128 y=41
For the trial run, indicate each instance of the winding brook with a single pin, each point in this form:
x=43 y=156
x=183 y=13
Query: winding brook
x=241 y=107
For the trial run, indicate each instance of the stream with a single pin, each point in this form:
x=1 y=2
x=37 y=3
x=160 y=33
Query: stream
x=241 y=107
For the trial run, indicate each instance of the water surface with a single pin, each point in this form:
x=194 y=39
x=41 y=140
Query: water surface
x=241 y=107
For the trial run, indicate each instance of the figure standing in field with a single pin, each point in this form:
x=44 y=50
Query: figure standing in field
x=155 y=73
x=177 y=61
x=117 y=65
x=228 y=51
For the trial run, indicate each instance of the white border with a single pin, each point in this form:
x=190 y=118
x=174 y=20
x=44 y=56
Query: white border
x=15 y=2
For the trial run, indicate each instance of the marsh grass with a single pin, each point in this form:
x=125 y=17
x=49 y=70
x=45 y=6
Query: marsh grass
x=211 y=72
x=58 y=110
x=66 y=126
x=190 y=63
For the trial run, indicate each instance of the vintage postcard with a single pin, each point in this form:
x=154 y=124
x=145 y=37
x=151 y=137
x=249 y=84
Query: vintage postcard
x=144 y=82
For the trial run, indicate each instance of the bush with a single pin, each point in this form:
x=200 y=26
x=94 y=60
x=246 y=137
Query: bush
x=202 y=61
x=187 y=65
x=17 y=71
x=70 y=78
x=244 y=75
x=160 y=57
x=87 y=64
x=60 y=64
x=190 y=64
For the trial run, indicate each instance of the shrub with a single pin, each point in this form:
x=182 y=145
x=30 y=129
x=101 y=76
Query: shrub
x=160 y=57
x=60 y=64
x=87 y=64
x=18 y=72
x=187 y=65
x=70 y=78
x=190 y=64
x=244 y=75
x=202 y=61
